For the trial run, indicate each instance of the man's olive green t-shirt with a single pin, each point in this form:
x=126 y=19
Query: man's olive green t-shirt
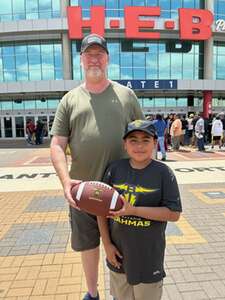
x=95 y=125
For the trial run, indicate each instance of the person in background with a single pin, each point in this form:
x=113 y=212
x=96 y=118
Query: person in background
x=39 y=132
x=176 y=132
x=222 y=117
x=190 y=127
x=194 y=138
x=199 y=132
x=91 y=118
x=161 y=129
x=30 y=131
x=217 y=132
x=169 y=120
x=184 y=123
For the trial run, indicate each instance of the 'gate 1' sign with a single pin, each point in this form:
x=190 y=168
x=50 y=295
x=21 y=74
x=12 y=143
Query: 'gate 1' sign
x=150 y=84
x=194 y=24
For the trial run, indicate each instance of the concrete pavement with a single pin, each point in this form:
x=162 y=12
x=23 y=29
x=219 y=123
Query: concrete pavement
x=36 y=261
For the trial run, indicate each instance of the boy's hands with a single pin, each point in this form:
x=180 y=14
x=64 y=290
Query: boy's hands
x=126 y=210
x=111 y=254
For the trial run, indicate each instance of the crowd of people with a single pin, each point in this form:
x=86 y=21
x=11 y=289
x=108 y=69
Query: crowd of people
x=193 y=130
x=35 y=133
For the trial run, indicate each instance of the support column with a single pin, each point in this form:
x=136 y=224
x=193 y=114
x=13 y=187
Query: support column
x=2 y=127
x=207 y=103
x=208 y=67
x=63 y=5
x=208 y=48
x=13 y=126
x=66 y=45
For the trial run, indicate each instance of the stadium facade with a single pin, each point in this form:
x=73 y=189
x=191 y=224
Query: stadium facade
x=172 y=53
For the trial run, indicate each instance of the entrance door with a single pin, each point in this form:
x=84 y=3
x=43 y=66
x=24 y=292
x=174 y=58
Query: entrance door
x=44 y=119
x=8 y=127
x=51 y=119
x=19 y=123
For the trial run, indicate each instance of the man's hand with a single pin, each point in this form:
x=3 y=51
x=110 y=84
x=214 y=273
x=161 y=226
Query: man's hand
x=67 y=192
x=112 y=253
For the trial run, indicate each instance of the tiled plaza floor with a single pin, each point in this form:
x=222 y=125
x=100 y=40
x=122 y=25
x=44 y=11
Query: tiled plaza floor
x=36 y=261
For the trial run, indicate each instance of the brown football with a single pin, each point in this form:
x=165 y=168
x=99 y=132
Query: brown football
x=96 y=197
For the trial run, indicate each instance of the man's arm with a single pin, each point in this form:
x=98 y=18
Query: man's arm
x=58 y=157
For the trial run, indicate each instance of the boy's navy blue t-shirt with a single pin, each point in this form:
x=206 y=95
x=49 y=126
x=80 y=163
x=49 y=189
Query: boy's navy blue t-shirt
x=141 y=241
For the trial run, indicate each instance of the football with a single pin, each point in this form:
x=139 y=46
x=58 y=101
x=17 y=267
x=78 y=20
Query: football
x=96 y=197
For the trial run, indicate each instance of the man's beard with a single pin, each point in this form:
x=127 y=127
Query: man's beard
x=94 y=73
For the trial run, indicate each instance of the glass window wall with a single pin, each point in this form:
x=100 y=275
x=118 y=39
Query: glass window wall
x=28 y=104
x=163 y=103
x=27 y=62
x=150 y=60
x=219 y=61
x=219 y=9
x=115 y=8
x=8 y=127
x=218 y=102
x=29 y=9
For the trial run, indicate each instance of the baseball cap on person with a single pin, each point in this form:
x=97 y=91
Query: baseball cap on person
x=141 y=125
x=93 y=39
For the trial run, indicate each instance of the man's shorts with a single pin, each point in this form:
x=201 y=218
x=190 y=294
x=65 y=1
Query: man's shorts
x=85 y=233
x=122 y=290
x=217 y=137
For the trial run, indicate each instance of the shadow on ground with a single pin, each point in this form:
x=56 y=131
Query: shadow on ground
x=21 y=144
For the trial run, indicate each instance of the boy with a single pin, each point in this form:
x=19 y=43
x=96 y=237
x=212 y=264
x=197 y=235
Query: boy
x=136 y=244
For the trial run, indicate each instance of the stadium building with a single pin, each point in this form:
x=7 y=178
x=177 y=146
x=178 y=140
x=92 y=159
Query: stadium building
x=172 y=53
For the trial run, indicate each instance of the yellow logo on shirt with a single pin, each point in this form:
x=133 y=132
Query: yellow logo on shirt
x=130 y=194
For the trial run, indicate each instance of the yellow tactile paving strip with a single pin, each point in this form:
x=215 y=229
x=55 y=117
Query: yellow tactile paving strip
x=199 y=193
x=190 y=235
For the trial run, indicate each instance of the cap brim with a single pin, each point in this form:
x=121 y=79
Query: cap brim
x=143 y=130
x=94 y=43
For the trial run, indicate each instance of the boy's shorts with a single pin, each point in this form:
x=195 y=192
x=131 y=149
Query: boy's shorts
x=122 y=290
x=85 y=233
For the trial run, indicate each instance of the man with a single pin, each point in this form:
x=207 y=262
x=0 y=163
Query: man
x=161 y=129
x=176 y=132
x=183 y=138
x=30 y=130
x=92 y=119
x=199 y=132
x=39 y=132
x=190 y=128
x=217 y=131
x=222 y=116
